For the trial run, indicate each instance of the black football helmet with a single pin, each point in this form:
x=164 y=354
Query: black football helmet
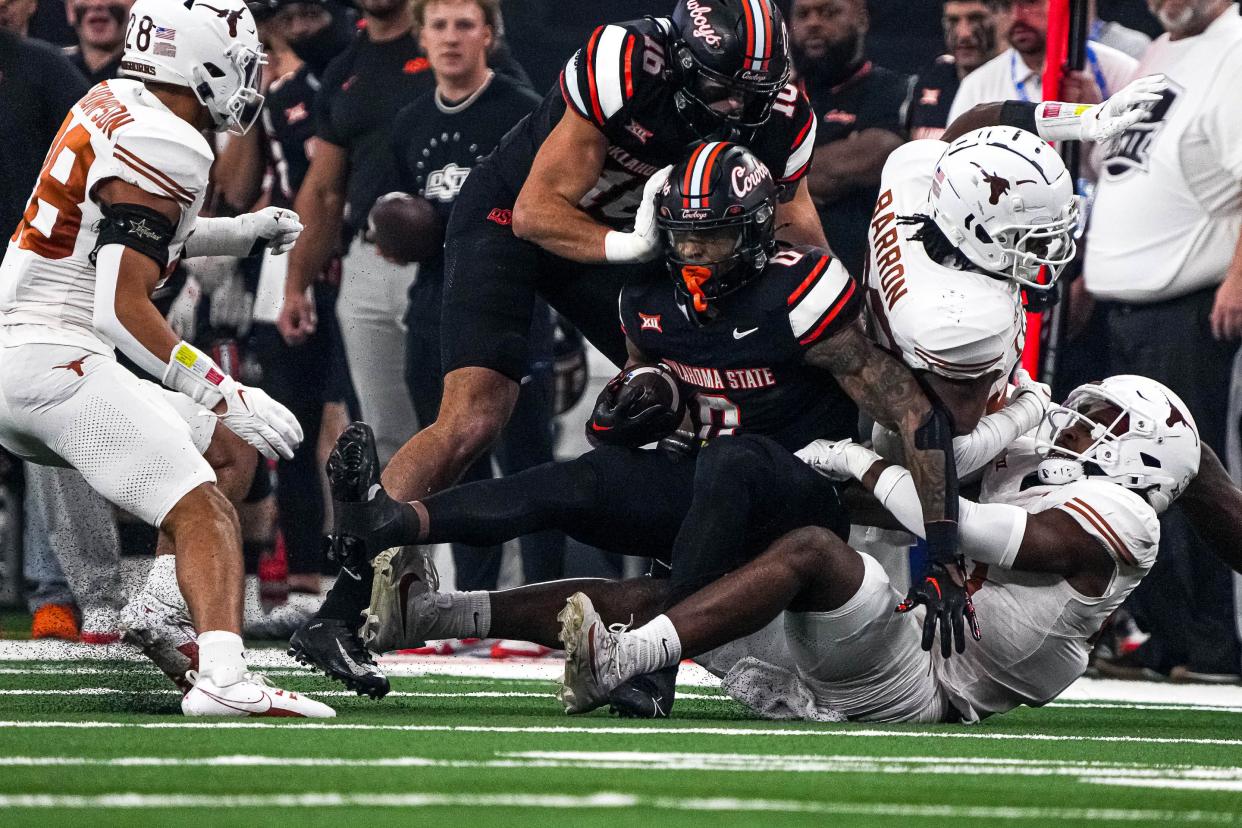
x=730 y=59
x=716 y=217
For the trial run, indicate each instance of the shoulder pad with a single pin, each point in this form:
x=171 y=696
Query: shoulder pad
x=826 y=294
x=164 y=162
x=803 y=145
x=601 y=77
x=1124 y=522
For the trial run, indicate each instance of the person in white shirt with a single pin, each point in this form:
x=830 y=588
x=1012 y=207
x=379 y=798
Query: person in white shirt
x=1017 y=72
x=1163 y=251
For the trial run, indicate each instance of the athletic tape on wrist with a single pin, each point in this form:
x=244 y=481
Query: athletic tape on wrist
x=196 y=375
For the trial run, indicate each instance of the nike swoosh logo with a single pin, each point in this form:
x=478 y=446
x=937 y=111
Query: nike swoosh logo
x=664 y=644
x=739 y=334
x=354 y=667
x=476 y=626
x=239 y=704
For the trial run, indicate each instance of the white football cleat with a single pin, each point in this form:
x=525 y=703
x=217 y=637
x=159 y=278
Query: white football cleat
x=253 y=695
x=592 y=656
x=402 y=600
x=165 y=635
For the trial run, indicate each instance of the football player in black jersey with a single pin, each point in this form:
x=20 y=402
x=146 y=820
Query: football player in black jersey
x=765 y=343
x=545 y=214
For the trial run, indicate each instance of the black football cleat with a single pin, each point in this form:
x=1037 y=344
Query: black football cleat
x=333 y=646
x=645 y=697
x=365 y=520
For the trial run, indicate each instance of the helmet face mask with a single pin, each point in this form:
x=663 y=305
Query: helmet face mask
x=716 y=217
x=238 y=112
x=1003 y=198
x=730 y=59
x=1136 y=433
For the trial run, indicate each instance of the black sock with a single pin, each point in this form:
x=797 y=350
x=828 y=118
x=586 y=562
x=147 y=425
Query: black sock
x=348 y=597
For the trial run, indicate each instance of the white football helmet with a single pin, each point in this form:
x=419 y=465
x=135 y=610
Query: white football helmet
x=1151 y=444
x=1003 y=197
x=210 y=46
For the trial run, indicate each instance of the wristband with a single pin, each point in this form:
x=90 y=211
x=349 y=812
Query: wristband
x=1056 y=121
x=1020 y=114
x=623 y=248
x=196 y=375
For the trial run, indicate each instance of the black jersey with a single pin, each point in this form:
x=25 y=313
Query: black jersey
x=617 y=82
x=746 y=368
x=871 y=98
x=931 y=96
x=364 y=88
x=289 y=125
x=436 y=146
x=108 y=71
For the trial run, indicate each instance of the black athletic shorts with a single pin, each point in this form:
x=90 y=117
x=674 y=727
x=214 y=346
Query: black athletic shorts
x=491 y=279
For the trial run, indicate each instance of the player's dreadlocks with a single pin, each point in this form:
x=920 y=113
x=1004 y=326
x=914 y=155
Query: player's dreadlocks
x=938 y=247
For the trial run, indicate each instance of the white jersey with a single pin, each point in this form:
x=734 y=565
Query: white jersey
x=118 y=130
x=957 y=324
x=1037 y=629
x=1168 y=209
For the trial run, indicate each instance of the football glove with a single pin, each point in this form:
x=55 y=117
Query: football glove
x=259 y=420
x=642 y=244
x=942 y=589
x=637 y=407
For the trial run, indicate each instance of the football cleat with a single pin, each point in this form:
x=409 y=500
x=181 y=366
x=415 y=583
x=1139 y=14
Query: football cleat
x=101 y=625
x=365 y=520
x=333 y=646
x=54 y=621
x=254 y=695
x=165 y=635
x=645 y=697
x=403 y=595
x=592 y=656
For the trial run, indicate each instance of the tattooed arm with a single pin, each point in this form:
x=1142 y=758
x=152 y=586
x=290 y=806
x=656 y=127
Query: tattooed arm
x=886 y=390
x=888 y=393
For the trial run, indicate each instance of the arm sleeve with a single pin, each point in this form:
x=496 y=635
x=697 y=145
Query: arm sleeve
x=993 y=433
x=107 y=275
x=601 y=77
x=824 y=302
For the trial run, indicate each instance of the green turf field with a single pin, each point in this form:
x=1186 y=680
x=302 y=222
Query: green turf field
x=98 y=742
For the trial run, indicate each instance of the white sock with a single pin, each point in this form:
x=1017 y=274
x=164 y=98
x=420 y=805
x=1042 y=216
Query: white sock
x=462 y=615
x=220 y=657
x=162 y=581
x=652 y=646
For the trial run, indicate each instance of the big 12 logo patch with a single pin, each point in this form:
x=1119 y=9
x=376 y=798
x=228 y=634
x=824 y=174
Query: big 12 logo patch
x=1131 y=150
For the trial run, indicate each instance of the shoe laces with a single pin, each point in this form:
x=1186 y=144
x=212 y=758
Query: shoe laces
x=611 y=645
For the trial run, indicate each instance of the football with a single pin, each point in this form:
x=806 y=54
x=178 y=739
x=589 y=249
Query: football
x=406 y=228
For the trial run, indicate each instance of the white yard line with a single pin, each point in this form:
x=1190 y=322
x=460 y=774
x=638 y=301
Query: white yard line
x=549 y=669
x=964 y=733
x=1096 y=772
x=611 y=800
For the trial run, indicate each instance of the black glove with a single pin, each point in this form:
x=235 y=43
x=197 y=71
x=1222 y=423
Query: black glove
x=943 y=590
x=636 y=407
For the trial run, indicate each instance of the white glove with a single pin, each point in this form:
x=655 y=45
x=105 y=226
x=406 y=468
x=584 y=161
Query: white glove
x=838 y=459
x=231 y=306
x=642 y=244
x=279 y=227
x=1080 y=122
x=259 y=420
x=1031 y=396
x=183 y=313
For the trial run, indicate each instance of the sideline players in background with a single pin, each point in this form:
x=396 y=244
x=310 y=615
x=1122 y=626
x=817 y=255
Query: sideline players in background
x=970 y=39
x=860 y=109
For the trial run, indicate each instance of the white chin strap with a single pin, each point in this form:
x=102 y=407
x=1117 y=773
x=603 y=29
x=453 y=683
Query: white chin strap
x=1057 y=471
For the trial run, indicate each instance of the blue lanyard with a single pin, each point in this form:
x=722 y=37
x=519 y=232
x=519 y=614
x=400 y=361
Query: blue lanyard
x=1091 y=59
